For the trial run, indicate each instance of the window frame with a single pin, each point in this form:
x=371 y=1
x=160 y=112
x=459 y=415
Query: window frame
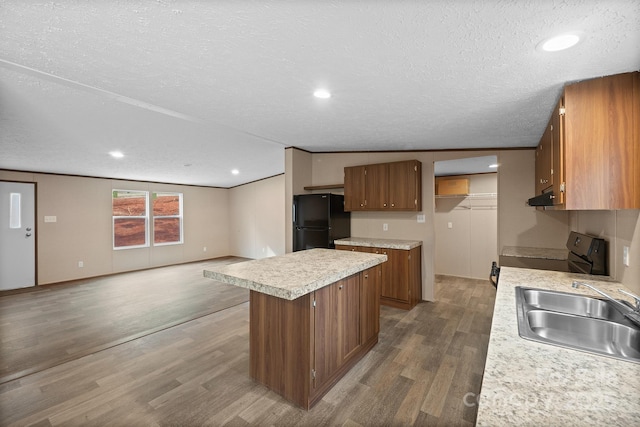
x=115 y=217
x=180 y=218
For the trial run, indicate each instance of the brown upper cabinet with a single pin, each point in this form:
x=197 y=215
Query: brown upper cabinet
x=544 y=168
x=549 y=156
x=589 y=154
x=383 y=187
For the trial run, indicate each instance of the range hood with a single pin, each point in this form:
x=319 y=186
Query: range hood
x=544 y=199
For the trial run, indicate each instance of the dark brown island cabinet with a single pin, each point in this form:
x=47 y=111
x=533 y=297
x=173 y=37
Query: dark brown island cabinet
x=300 y=346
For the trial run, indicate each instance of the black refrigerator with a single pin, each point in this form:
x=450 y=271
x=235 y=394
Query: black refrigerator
x=318 y=220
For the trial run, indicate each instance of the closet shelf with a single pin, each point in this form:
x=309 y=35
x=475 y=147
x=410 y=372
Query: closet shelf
x=323 y=187
x=470 y=196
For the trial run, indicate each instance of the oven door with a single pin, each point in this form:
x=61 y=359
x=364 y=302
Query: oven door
x=578 y=265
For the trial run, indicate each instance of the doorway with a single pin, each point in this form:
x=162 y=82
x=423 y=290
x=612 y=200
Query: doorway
x=17 y=235
x=466 y=216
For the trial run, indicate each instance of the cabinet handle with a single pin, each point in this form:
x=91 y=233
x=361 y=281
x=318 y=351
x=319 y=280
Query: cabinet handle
x=340 y=287
x=361 y=204
x=393 y=204
x=366 y=276
x=385 y=205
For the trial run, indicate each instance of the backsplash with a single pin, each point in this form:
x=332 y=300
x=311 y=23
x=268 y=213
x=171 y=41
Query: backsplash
x=619 y=228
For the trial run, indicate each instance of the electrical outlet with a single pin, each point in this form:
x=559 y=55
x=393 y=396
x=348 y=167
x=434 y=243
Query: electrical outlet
x=449 y=225
x=385 y=227
x=625 y=255
x=204 y=249
x=80 y=264
x=420 y=217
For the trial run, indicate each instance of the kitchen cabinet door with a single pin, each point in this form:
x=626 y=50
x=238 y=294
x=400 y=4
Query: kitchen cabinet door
x=377 y=186
x=397 y=283
x=337 y=326
x=385 y=271
x=557 y=152
x=601 y=140
x=384 y=186
x=370 y=303
x=354 y=188
x=544 y=166
x=405 y=185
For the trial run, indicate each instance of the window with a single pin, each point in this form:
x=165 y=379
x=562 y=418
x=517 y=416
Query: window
x=167 y=218
x=130 y=219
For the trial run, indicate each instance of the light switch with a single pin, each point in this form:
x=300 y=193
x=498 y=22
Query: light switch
x=50 y=218
x=420 y=217
x=385 y=227
x=449 y=225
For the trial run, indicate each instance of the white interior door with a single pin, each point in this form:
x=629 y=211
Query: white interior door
x=17 y=235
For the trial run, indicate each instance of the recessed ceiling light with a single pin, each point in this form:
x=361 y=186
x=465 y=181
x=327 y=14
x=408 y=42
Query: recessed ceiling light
x=235 y=171
x=561 y=42
x=116 y=154
x=322 y=93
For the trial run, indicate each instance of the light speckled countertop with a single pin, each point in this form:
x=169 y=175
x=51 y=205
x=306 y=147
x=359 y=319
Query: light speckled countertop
x=293 y=275
x=530 y=383
x=379 y=243
x=542 y=253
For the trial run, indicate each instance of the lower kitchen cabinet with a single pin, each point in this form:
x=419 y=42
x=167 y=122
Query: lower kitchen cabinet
x=302 y=347
x=401 y=275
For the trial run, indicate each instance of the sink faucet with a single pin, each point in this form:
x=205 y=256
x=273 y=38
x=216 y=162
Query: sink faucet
x=628 y=312
x=635 y=297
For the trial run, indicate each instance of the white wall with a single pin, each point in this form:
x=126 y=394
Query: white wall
x=520 y=224
x=83 y=231
x=297 y=165
x=256 y=218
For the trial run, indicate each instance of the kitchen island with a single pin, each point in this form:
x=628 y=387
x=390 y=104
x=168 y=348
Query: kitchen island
x=313 y=315
x=532 y=383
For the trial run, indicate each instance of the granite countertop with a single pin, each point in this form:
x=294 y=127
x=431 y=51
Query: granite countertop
x=295 y=274
x=542 y=253
x=530 y=383
x=379 y=243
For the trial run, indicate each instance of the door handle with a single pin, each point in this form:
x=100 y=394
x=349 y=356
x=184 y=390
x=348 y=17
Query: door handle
x=28 y=234
x=28 y=228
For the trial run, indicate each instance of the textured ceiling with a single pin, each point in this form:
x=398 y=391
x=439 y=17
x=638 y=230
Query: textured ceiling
x=228 y=84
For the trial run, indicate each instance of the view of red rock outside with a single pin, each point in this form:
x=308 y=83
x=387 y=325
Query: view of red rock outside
x=129 y=231
x=166 y=230
x=130 y=227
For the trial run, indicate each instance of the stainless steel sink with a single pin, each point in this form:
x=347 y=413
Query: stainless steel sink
x=572 y=304
x=578 y=322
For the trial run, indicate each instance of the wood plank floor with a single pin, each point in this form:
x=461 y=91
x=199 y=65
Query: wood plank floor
x=50 y=325
x=196 y=373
